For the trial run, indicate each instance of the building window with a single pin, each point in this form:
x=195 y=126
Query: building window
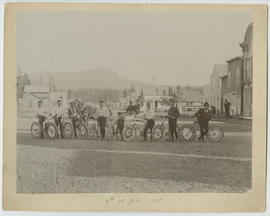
x=229 y=78
x=238 y=78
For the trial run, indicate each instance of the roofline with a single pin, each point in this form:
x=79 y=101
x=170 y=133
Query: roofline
x=233 y=59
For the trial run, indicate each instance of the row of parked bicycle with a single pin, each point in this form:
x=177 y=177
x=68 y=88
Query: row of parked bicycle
x=133 y=128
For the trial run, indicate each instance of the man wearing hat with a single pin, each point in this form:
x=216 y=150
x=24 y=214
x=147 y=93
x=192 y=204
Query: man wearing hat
x=203 y=116
x=73 y=115
x=173 y=114
x=58 y=114
x=102 y=113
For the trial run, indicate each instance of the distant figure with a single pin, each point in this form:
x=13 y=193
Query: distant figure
x=227 y=106
x=73 y=115
x=102 y=113
x=173 y=114
x=58 y=114
x=41 y=115
x=130 y=109
x=203 y=116
x=150 y=122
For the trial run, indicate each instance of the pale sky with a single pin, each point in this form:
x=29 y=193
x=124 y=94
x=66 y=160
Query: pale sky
x=177 y=47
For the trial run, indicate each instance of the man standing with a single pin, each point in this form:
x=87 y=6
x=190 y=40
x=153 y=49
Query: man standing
x=41 y=114
x=227 y=105
x=203 y=116
x=130 y=109
x=73 y=115
x=58 y=114
x=149 y=117
x=173 y=114
x=102 y=113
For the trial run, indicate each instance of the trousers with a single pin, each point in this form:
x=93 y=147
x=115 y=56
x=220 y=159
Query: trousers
x=149 y=125
x=203 y=128
x=41 y=120
x=172 y=128
x=102 y=124
x=59 y=125
x=74 y=124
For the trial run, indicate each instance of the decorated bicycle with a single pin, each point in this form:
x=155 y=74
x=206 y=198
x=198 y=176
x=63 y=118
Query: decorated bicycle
x=48 y=127
x=190 y=132
x=161 y=129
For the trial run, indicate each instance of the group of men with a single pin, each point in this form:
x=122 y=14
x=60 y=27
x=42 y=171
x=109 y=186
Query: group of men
x=58 y=113
x=149 y=116
x=76 y=110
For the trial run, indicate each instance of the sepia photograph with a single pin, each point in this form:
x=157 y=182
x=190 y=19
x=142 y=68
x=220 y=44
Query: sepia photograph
x=134 y=107
x=134 y=102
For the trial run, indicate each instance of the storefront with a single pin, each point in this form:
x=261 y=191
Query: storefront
x=247 y=48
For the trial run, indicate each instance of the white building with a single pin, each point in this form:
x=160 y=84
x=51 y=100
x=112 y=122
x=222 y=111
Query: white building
x=215 y=98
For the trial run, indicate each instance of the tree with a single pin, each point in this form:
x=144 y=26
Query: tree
x=179 y=92
x=22 y=80
x=156 y=91
x=125 y=93
x=142 y=94
x=69 y=94
x=165 y=101
x=132 y=89
x=170 y=91
x=164 y=93
x=52 y=84
x=26 y=79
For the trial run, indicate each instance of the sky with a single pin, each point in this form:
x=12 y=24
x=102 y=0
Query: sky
x=174 y=47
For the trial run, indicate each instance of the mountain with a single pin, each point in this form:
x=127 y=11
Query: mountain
x=97 y=78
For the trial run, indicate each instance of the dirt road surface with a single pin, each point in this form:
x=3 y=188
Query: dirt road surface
x=90 y=166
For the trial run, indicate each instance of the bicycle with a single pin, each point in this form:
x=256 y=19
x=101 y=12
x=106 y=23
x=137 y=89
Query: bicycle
x=134 y=127
x=189 y=133
x=162 y=130
x=49 y=128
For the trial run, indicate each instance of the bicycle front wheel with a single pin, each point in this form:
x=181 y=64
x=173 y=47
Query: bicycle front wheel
x=83 y=130
x=158 y=132
x=129 y=133
x=215 y=134
x=187 y=132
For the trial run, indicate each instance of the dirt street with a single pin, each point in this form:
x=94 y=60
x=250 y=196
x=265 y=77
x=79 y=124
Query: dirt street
x=90 y=166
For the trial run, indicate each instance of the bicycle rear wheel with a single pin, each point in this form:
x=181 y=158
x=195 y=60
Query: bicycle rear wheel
x=67 y=130
x=215 y=134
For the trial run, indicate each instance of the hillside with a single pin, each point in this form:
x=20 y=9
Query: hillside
x=96 y=78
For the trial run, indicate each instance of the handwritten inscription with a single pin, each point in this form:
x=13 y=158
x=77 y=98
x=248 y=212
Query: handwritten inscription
x=131 y=201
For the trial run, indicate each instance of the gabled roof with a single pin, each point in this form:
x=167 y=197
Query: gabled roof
x=192 y=96
x=36 y=89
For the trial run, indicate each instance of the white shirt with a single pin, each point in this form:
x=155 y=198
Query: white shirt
x=149 y=114
x=58 y=111
x=102 y=112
